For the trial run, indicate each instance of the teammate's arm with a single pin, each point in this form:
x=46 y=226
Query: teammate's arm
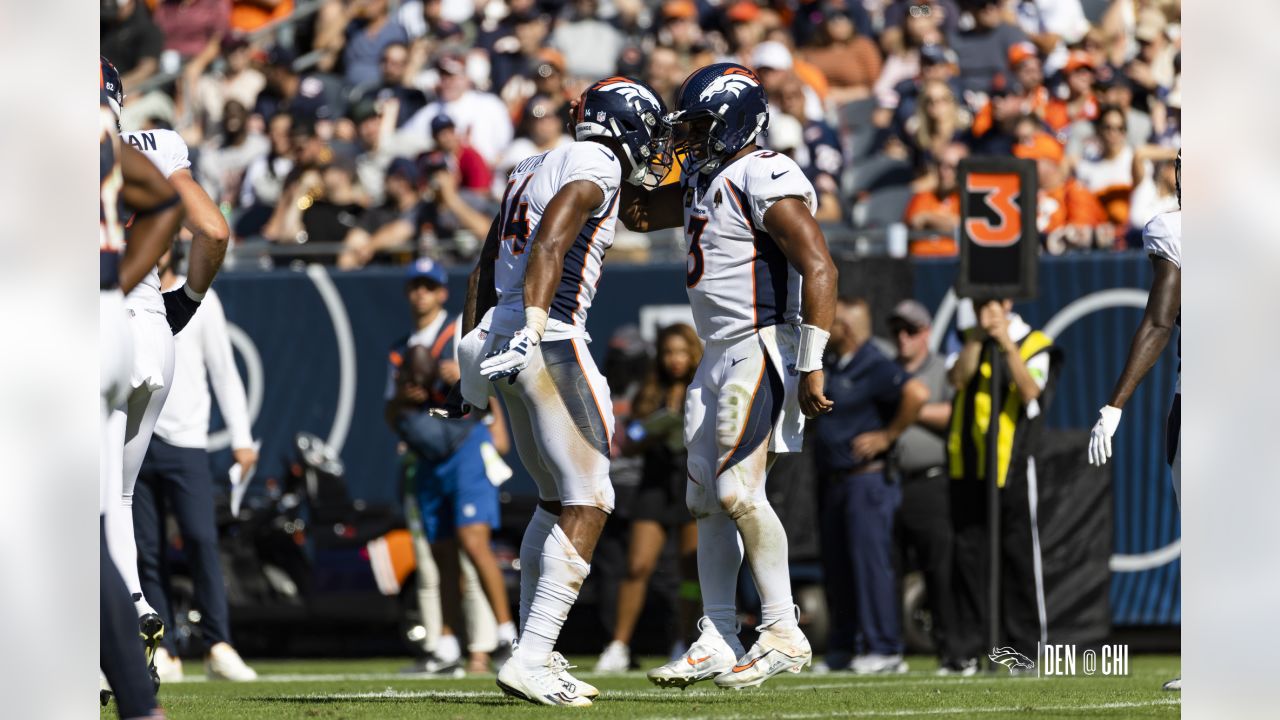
x=563 y=219
x=481 y=294
x=158 y=213
x=209 y=227
x=649 y=210
x=1149 y=340
x=791 y=225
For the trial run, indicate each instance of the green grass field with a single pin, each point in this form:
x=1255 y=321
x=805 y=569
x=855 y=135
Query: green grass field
x=343 y=689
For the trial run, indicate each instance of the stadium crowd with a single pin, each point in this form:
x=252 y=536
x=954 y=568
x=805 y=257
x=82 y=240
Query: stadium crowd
x=383 y=131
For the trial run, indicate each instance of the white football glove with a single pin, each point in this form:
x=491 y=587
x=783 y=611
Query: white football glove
x=512 y=358
x=1100 y=437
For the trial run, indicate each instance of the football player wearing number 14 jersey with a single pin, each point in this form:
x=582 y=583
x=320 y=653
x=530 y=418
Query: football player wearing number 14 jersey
x=763 y=288
x=533 y=286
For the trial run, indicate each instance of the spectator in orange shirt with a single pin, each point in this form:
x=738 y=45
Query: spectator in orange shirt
x=850 y=62
x=938 y=209
x=249 y=15
x=1068 y=216
x=1080 y=103
x=1026 y=90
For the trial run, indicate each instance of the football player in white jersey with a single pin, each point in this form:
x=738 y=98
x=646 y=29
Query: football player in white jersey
x=1162 y=239
x=154 y=319
x=533 y=286
x=121 y=267
x=763 y=288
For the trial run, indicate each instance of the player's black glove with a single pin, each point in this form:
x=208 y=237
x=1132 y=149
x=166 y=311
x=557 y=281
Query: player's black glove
x=454 y=406
x=179 y=308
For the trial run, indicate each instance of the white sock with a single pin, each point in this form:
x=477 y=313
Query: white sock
x=766 y=545
x=563 y=572
x=447 y=649
x=507 y=632
x=719 y=557
x=535 y=537
x=124 y=551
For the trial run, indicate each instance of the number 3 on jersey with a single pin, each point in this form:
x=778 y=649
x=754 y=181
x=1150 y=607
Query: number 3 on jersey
x=693 y=271
x=515 y=223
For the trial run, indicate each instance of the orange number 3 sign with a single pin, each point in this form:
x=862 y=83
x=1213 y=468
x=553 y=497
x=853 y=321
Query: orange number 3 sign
x=1000 y=192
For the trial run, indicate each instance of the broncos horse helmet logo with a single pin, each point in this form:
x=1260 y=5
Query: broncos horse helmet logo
x=732 y=82
x=1011 y=659
x=629 y=90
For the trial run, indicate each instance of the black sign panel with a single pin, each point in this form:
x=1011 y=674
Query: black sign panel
x=999 y=243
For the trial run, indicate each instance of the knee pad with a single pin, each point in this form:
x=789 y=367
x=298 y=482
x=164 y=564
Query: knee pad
x=603 y=494
x=737 y=493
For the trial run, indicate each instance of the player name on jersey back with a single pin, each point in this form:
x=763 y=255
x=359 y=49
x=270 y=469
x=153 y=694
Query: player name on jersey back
x=738 y=278
x=530 y=188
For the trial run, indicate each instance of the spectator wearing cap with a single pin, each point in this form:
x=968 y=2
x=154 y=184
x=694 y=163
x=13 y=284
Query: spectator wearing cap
x=193 y=27
x=772 y=61
x=1080 y=102
x=923 y=522
x=1151 y=70
x=938 y=208
x=817 y=151
x=1068 y=216
x=393 y=85
x=391 y=224
x=309 y=98
x=237 y=80
x=590 y=45
x=1053 y=26
x=983 y=49
x=250 y=15
x=875 y=403
x=918 y=23
x=378 y=143
x=132 y=42
x=540 y=130
x=469 y=169
x=744 y=29
x=680 y=30
x=811 y=14
x=1023 y=92
x=850 y=61
x=480 y=118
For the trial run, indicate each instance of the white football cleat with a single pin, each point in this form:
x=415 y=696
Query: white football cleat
x=541 y=685
x=1174 y=684
x=616 y=658
x=580 y=687
x=224 y=663
x=168 y=667
x=709 y=657
x=772 y=653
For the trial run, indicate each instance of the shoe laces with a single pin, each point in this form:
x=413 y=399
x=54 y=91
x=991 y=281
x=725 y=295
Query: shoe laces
x=559 y=663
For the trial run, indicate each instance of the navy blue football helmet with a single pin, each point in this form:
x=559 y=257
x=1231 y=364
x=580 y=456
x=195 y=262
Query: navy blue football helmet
x=630 y=112
x=109 y=80
x=721 y=109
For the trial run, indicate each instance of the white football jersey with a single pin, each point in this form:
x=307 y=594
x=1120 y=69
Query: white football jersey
x=167 y=151
x=1162 y=237
x=530 y=188
x=738 y=278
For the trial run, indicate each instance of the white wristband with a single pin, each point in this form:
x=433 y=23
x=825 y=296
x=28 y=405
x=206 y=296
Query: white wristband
x=198 y=297
x=535 y=320
x=813 y=343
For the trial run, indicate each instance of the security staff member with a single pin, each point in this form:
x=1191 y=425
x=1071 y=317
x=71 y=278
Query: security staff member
x=920 y=461
x=1030 y=362
x=874 y=403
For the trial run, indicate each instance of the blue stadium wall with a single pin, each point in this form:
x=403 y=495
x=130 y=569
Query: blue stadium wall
x=312 y=345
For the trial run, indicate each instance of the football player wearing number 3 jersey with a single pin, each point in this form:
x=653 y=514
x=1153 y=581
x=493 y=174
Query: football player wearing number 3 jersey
x=533 y=286
x=763 y=288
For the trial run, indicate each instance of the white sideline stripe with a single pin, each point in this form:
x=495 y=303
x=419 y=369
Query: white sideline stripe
x=1024 y=708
